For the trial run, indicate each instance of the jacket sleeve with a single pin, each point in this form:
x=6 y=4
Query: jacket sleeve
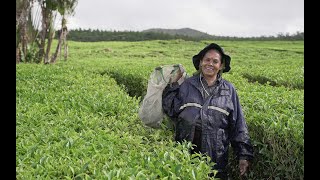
x=240 y=139
x=171 y=101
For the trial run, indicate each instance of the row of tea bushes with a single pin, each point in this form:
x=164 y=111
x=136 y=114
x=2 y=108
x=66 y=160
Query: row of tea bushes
x=275 y=117
x=274 y=112
x=267 y=75
x=73 y=123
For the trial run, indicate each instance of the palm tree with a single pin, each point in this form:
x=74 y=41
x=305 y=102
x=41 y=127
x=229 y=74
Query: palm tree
x=65 y=8
x=47 y=30
x=28 y=35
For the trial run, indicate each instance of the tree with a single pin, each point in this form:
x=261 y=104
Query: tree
x=47 y=31
x=22 y=10
x=28 y=36
x=65 y=8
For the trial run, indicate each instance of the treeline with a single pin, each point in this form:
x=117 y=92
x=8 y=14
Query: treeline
x=93 y=35
x=99 y=35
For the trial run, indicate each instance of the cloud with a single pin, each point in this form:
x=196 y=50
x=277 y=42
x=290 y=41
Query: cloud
x=228 y=17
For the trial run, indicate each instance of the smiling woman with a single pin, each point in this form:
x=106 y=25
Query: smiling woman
x=206 y=111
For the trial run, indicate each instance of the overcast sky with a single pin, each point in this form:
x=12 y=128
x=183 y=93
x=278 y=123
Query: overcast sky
x=243 y=18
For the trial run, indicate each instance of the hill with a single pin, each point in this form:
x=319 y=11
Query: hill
x=183 y=31
x=94 y=35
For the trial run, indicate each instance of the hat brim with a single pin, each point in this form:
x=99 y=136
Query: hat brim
x=226 y=58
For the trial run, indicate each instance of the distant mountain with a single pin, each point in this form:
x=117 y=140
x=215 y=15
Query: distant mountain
x=183 y=31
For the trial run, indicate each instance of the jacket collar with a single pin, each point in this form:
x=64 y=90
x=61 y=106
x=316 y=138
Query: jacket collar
x=195 y=81
x=218 y=80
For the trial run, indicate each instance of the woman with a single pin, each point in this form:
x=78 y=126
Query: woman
x=206 y=111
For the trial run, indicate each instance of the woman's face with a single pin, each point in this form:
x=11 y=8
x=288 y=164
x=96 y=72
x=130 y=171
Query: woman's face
x=211 y=63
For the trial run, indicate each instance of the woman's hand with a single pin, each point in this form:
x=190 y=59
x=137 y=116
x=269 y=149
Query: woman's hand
x=243 y=166
x=176 y=77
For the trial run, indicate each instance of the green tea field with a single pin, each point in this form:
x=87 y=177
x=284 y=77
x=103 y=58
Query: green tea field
x=78 y=119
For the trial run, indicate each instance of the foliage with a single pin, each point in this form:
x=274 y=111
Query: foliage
x=74 y=123
x=76 y=119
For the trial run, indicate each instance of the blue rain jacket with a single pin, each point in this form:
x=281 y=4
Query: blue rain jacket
x=220 y=114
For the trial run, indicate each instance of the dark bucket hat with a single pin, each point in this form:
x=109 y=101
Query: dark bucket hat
x=225 y=58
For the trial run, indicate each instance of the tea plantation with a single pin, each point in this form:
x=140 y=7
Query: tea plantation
x=78 y=119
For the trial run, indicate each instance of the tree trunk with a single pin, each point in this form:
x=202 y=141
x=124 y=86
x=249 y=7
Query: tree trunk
x=58 y=49
x=17 y=54
x=21 y=30
x=51 y=34
x=65 y=44
x=24 y=40
x=43 y=35
x=46 y=56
